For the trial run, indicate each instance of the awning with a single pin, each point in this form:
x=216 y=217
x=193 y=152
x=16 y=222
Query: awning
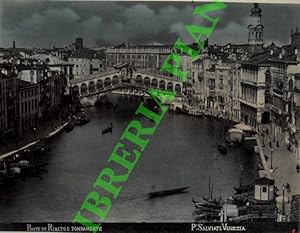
x=244 y=127
x=235 y=130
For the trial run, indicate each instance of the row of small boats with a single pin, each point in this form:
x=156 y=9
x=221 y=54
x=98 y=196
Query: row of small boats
x=208 y=209
x=77 y=121
x=22 y=165
x=12 y=171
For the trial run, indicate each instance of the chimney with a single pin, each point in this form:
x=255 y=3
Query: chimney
x=14 y=44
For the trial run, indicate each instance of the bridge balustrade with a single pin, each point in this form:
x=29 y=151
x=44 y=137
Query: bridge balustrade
x=109 y=84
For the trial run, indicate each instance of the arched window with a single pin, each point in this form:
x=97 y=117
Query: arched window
x=154 y=82
x=162 y=84
x=83 y=88
x=107 y=82
x=170 y=86
x=147 y=81
x=92 y=87
x=139 y=79
x=75 y=90
x=268 y=78
x=178 y=88
x=99 y=84
x=115 y=80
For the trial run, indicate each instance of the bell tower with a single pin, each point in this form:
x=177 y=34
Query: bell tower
x=255 y=28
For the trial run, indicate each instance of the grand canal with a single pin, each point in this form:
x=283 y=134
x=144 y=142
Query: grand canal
x=181 y=153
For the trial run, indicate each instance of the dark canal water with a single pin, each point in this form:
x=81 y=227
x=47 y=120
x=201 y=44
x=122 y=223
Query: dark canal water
x=181 y=153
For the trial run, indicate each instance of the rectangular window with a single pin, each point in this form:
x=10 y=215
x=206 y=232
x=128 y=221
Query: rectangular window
x=264 y=189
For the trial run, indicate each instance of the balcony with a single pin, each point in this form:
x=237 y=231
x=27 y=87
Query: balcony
x=251 y=104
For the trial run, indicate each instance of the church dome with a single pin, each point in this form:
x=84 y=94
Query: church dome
x=256 y=10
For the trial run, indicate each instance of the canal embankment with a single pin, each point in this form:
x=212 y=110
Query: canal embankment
x=57 y=130
x=279 y=164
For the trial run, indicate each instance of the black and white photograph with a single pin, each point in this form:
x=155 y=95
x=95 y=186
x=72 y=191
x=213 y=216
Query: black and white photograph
x=149 y=116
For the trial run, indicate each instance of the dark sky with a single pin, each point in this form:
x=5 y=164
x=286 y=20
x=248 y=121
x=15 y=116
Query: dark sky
x=39 y=23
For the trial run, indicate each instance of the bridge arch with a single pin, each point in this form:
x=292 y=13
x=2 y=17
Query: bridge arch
x=115 y=79
x=170 y=86
x=75 y=90
x=139 y=79
x=178 y=88
x=162 y=84
x=83 y=89
x=92 y=86
x=147 y=81
x=99 y=84
x=154 y=82
x=107 y=82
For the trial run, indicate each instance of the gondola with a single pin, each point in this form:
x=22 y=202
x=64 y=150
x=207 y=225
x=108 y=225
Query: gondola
x=214 y=201
x=222 y=148
x=206 y=210
x=244 y=189
x=208 y=215
x=70 y=126
x=167 y=192
x=206 y=204
x=240 y=198
x=84 y=120
x=108 y=129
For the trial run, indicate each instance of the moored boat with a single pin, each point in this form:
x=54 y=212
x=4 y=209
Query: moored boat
x=222 y=148
x=70 y=126
x=213 y=201
x=195 y=112
x=244 y=189
x=167 y=192
x=203 y=210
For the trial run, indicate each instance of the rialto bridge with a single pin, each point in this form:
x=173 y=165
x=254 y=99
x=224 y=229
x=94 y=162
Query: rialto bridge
x=92 y=87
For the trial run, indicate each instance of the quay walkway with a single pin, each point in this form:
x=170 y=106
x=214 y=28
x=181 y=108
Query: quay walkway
x=48 y=136
x=280 y=165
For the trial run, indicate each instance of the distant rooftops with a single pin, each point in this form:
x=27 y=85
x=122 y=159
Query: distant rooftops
x=126 y=45
x=87 y=53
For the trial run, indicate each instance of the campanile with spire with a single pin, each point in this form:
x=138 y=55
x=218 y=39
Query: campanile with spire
x=255 y=28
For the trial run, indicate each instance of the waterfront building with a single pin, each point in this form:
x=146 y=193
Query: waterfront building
x=253 y=88
x=51 y=83
x=86 y=62
x=8 y=88
x=146 y=57
x=28 y=103
x=64 y=68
